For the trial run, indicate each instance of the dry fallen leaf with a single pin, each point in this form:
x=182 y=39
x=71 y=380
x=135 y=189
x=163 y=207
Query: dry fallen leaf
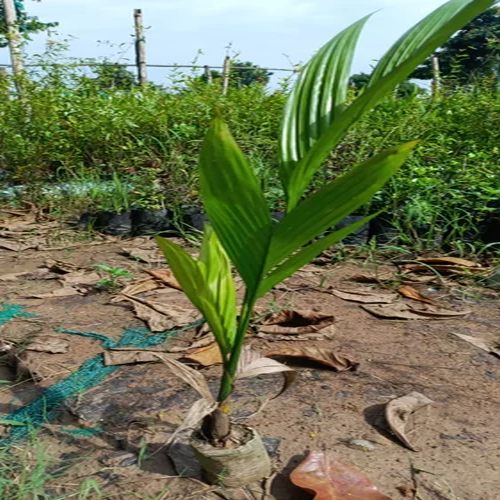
x=48 y=343
x=253 y=364
x=205 y=356
x=65 y=291
x=291 y=322
x=14 y=246
x=401 y=310
x=363 y=296
x=449 y=261
x=491 y=347
x=411 y=293
x=189 y=375
x=325 y=357
x=136 y=288
x=443 y=265
x=328 y=479
x=437 y=312
x=116 y=357
x=380 y=277
x=399 y=410
x=166 y=276
x=60 y=266
x=13 y=276
x=161 y=317
x=149 y=256
x=80 y=278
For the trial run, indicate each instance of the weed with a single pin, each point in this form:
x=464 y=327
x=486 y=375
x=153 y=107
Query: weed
x=114 y=277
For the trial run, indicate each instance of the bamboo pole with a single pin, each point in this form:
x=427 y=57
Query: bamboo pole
x=208 y=73
x=436 y=77
x=226 y=70
x=140 y=48
x=14 y=41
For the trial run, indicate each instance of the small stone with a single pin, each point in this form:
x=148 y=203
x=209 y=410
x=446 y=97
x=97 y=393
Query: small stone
x=360 y=444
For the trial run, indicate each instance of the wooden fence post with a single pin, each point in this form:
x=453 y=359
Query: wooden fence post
x=14 y=40
x=226 y=71
x=436 y=77
x=208 y=73
x=140 y=48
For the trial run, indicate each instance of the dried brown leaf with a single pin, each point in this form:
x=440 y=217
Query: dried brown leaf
x=149 y=256
x=48 y=343
x=448 y=261
x=80 y=278
x=13 y=276
x=253 y=364
x=113 y=358
x=398 y=411
x=136 y=288
x=329 y=479
x=437 y=312
x=400 y=310
x=491 y=347
x=65 y=291
x=161 y=317
x=366 y=297
x=192 y=377
x=166 y=276
x=295 y=322
x=411 y=293
x=12 y=245
x=325 y=357
x=60 y=266
x=381 y=277
x=325 y=334
x=205 y=356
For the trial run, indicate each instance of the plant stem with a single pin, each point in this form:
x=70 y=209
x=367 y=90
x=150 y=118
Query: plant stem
x=226 y=386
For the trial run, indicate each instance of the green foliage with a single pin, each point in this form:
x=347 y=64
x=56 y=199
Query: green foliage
x=113 y=76
x=139 y=147
x=472 y=53
x=28 y=25
x=242 y=74
x=113 y=278
x=316 y=116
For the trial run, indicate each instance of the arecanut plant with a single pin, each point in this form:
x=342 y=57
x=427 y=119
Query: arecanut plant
x=264 y=252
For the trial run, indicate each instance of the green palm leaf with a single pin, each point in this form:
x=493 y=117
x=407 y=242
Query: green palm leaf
x=296 y=260
x=410 y=50
x=209 y=285
x=333 y=202
x=234 y=203
x=317 y=97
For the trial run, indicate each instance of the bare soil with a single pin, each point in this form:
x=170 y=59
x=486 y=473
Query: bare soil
x=139 y=406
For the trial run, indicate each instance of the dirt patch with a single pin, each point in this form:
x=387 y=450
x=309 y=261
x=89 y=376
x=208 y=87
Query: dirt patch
x=116 y=430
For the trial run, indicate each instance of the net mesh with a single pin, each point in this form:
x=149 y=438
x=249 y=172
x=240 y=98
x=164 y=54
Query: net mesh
x=26 y=419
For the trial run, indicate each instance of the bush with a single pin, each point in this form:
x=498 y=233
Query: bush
x=73 y=128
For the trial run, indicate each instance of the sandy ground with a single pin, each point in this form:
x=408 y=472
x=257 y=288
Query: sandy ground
x=139 y=406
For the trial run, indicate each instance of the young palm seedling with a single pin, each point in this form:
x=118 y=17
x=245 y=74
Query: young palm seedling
x=242 y=233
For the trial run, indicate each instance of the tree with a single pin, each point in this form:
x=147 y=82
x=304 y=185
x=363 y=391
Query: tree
x=359 y=81
x=243 y=74
x=471 y=53
x=27 y=24
x=114 y=76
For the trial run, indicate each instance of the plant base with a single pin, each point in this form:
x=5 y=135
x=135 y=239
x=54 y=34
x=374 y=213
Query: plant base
x=236 y=466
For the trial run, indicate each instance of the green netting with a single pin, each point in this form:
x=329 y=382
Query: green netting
x=91 y=373
x=10 y=311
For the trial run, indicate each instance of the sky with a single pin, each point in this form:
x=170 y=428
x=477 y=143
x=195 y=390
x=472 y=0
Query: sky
x=270 y=33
